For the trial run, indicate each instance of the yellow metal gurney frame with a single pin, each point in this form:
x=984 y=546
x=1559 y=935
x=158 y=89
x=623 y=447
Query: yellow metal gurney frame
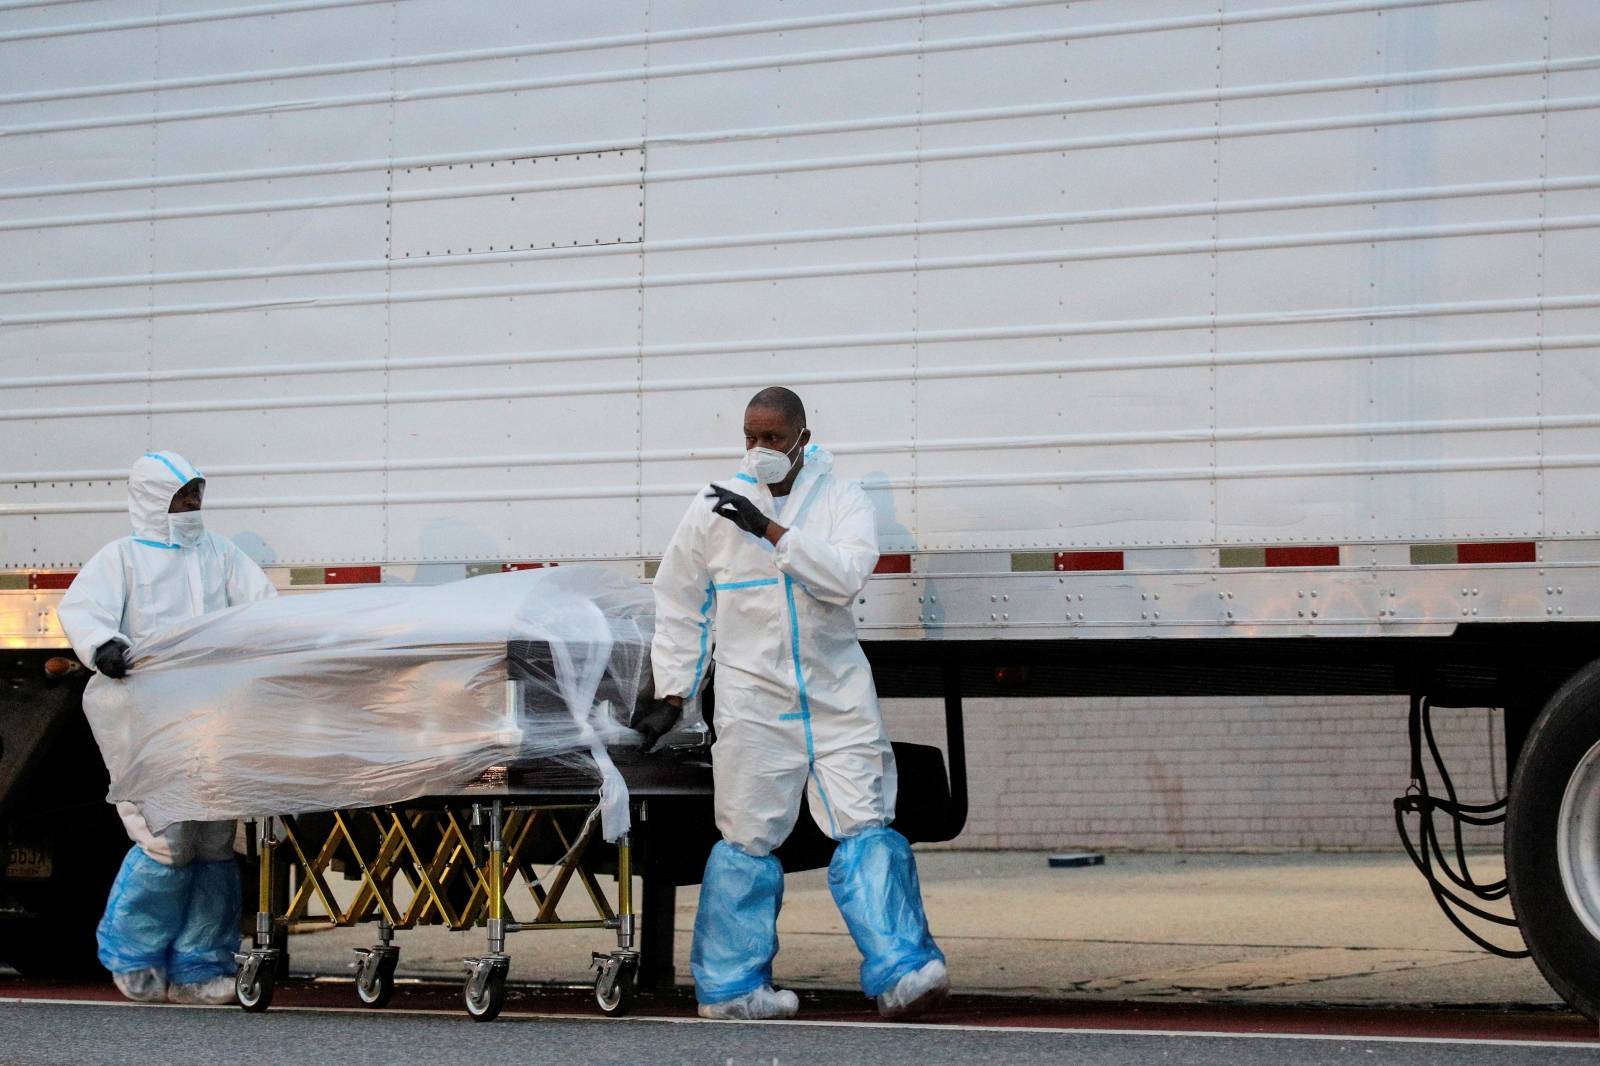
x=402 y=851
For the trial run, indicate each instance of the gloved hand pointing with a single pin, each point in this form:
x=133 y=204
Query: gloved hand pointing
x=111 y=659
x=740 y=510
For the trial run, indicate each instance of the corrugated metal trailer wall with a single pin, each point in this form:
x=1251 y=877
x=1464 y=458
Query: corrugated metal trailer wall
x=426 y=281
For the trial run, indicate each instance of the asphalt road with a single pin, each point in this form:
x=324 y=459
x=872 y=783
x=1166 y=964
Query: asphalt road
x=41 y=1033
x=1148 y=959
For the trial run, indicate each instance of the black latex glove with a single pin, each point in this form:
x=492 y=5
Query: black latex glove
x=740 y=510
x=656 y=722
x=111 y=659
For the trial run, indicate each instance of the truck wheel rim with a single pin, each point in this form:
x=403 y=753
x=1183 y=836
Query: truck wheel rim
x=1578 y=840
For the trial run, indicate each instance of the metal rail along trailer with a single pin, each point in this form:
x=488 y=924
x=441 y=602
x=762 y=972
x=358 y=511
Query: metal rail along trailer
x=1234 y=347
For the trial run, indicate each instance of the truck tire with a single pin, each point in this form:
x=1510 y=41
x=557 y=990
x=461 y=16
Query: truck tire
x=1552 y=842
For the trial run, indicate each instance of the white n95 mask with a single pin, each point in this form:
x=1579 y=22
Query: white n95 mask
x=186 y=529
x=770 y=466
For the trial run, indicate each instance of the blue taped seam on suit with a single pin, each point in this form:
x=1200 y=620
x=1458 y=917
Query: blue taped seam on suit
x=164 y=461
x=156 y=544
x=756 y=583
x=705 y=638
x=742 y=476
x=805 y=702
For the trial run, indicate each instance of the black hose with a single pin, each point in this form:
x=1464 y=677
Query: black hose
x=1426 y=852
x=1449 y=788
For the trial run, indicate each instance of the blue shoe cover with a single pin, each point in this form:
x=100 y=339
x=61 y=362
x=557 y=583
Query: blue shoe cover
x=203 y=948
x=874 y=881
x=736 y=926
x=144 y=913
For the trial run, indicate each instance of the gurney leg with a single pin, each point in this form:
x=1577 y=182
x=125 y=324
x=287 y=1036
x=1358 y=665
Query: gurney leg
x=485 y=990
x=375 y=971
x=625 y=922
x=258 y=968
x=617 y=973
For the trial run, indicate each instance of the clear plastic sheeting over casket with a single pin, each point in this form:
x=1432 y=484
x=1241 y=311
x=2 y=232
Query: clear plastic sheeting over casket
x=369 y=696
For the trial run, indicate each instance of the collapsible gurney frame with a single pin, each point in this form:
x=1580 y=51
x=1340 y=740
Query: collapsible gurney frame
x=430 y=844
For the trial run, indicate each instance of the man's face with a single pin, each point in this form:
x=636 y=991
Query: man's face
x=189 y=497
x=766 y=427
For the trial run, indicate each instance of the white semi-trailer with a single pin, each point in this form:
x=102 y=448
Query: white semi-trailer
x=1236 y=346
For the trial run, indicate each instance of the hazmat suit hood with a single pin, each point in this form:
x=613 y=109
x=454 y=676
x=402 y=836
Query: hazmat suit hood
x=152 y=483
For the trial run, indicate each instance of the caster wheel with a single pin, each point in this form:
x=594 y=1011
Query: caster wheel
x=379 y=990
x=620 y=1000
x=485 y=1007
x=255 y=996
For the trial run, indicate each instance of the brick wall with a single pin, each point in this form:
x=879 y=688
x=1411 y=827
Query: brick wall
x=1291 y=772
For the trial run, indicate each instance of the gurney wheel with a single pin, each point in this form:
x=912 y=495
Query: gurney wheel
x=378 y=993
x=620 y=1001
x=255 y=996
x=486 y=1008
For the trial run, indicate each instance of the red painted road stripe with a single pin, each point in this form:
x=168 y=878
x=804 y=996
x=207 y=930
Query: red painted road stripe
x=893 y=564
x=1304 y=555
x=1522 y=551
x=352 y=575
x=1088 y=560
x=50 y=581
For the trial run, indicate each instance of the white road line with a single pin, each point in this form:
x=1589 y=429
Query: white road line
x=1022 y=1030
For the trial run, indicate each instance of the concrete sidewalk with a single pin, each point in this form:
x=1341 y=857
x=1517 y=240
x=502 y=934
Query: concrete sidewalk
x=1296 y=928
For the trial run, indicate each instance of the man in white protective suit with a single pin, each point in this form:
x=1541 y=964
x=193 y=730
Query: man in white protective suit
x=171 y=924
x=774 y=556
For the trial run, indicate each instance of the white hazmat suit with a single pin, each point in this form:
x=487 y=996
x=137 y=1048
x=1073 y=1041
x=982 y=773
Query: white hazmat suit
x=796 y=712
x=173 y=911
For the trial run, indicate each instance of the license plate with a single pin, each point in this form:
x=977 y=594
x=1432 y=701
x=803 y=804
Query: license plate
x=25 y=863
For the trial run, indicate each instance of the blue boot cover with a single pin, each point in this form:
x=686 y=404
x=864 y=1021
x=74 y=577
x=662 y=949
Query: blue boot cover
x=874 y=881
x=736 y=926
x=209 y=934
x=143 y=914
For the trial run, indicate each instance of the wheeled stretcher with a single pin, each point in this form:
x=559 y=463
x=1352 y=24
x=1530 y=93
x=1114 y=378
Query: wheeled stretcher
x=457 y=858
x=432 y=733
x=520 y=849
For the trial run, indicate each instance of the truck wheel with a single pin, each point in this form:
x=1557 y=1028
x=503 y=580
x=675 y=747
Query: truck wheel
x=1552 y=843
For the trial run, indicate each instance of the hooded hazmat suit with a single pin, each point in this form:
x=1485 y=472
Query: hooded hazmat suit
x=174 y=905
x=796 y=711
